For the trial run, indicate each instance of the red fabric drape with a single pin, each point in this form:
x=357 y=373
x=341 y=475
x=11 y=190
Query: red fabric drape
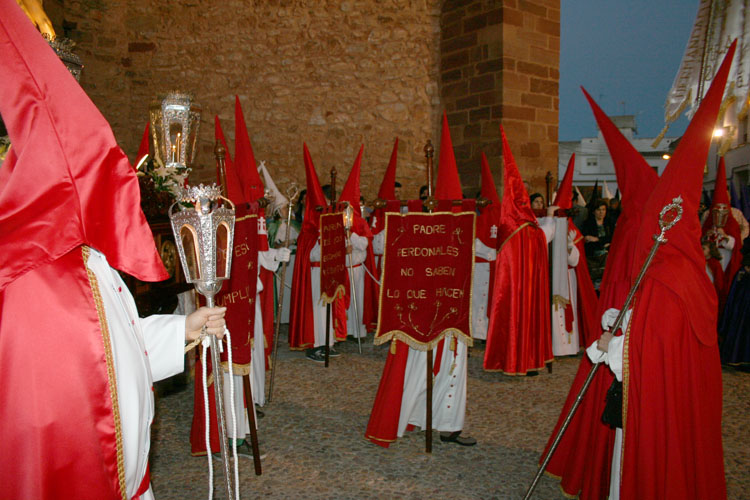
x=672 y=402
x=382 y=427
x=519 y=337
x=55 y=388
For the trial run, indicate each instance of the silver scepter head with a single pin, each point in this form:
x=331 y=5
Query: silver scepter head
x=203 y=226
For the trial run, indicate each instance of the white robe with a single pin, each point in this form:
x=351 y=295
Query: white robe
x=448 y=390
x=613 y=357
x=267 y=260
x=564 y=343
x=144 y=350
x=319 y=309
x=480 y=291
x=356 y=260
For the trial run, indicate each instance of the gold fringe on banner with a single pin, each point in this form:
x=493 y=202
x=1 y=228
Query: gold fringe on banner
x=339 y=292
x=745 y=107
x=668 y=120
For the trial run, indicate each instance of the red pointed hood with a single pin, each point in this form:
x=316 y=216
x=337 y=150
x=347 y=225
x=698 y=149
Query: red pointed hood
x=516 y=207
x=632 y=170
x=314 y=196
x=680 y=264
x=143 y=148
x=65 y=181
x=564 y=196
x=388 y=186
x=488 y=221
x=488 y=189
x=233 y=185
x=244 y=159
x=448 y=185
x=351 y=192
x=721 y=196
x=637 y=180
x=721 y=192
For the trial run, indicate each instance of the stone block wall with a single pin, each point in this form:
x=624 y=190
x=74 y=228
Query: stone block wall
x=500 y=65
x=336 y=74
x=333 y=73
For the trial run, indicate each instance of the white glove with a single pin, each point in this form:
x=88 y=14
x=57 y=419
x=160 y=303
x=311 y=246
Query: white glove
x=283 y=254
x=610 y=315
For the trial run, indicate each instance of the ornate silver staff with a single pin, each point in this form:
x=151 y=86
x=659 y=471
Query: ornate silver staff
x=348 y=222
x=291 y=193
x=668 y=217
x=203 y=228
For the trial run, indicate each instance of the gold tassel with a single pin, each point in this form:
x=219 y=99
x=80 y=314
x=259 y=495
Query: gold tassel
x=393 y=346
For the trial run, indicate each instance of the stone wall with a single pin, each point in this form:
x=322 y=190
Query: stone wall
x=333 y=73
x=336 y=74
x=500 y=65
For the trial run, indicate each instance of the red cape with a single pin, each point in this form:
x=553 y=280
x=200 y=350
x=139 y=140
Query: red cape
x=672 y=400
x=301 y=322
x=518 y=336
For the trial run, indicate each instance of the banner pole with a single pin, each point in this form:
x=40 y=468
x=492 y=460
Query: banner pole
x=430 y=204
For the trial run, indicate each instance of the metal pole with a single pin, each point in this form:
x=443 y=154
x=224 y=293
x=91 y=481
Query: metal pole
x=354 y=292
x=219 y=395
x=659 y=240
x=294 y=192
x=430 y=203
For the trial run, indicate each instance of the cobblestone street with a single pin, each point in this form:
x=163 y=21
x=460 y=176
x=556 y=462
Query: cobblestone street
x=313 y=433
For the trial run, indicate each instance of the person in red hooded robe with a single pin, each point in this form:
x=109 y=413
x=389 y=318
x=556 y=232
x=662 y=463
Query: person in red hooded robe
x=485 y=252
x=574 y=300
x=671 y=373
x=361 y=260
x=582 y=460
x=668 y=427
x=307 y=316
x=243 y=295
x=78 y=363
x=722 y=228
x=518 y=338
x=400 y=403
x=386 y=195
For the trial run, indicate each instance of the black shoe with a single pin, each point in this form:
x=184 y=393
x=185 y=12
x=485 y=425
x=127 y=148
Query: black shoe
x=456 y=437
x=332 y=353
x=258 y=412
x=532 y=374
x=316 y=355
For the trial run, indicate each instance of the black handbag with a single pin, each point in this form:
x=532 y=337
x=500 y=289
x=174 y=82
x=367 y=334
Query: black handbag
x=612 y=415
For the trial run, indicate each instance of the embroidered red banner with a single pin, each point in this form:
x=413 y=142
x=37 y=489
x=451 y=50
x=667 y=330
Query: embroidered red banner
x=238 y=293
x=427 y=275
x=334 y=280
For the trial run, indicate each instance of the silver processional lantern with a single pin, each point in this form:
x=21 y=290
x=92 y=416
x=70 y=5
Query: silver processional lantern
x=203 y=226
x=175 y=120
